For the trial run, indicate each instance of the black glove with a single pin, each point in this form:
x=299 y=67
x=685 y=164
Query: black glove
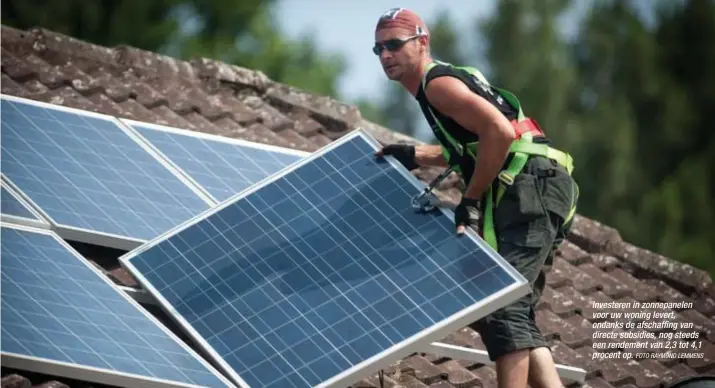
x=466 y=214
x=404 y=153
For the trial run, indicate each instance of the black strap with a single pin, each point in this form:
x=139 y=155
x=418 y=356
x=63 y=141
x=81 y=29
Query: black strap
x=455 y=159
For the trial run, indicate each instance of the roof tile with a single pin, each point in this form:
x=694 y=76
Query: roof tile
x=15 y=67
x=601 y=383
x=304 y=124
x=487 y=375
x=459 y=376
x=9 y=86
x=144 y=94
x=679 y=275
x=604 y=262
x=50 y=76
x=53 y=384
x=705 y=304
x=270 y=116
x=606 y=283
x=557 y=302
x=234 y=108
x=105 y=104
x=592 y=235
x=134 y=110
x=573 y=253
x=335 y=116
x=148 y=64
x=111 y=86
x=409 y=381
x=200 y=123
x=166 y=116
x=563 y=273
x=81 y=81
x=655 y=369
x=705 y=364
x=565 y=355
x=615 y=373
x=679 y=371
x=639 y=291
x=644 y=378
x=424 y=370
x=15 y=380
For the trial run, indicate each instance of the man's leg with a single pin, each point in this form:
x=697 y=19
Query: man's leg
x=542 y=369
x=510 y=333
x=513 y=369
x=528 y=227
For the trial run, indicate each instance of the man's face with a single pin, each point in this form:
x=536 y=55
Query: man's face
x=402 y=53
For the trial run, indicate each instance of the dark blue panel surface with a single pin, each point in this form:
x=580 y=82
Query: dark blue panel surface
x=55 y=308
x=318 y=270
x=220 y=167
x=13 y=207
x=85 y=172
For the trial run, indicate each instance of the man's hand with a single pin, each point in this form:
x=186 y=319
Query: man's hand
x=404 y=153
x=466 y=214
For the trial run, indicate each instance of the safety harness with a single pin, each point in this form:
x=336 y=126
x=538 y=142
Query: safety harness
x=521 y=148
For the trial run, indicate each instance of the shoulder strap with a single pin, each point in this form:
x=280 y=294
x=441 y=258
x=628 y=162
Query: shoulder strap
x=509 y=96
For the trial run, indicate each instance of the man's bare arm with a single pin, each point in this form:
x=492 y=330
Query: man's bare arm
x=453 y=98
x=430 y=155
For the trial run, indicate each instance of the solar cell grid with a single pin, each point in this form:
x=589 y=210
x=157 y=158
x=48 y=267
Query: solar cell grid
x=89 y=176
x=222 y=166
x=322 y=274
x=16 y=210
x=59 y=316
x=12 y=206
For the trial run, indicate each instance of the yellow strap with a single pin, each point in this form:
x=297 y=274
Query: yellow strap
x=521 y=148
x=560 y=157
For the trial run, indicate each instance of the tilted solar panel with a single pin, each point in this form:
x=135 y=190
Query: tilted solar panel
x=61 y=317
x=89 y=177
x=220 y=165
x=15 y=210
x=322 y=274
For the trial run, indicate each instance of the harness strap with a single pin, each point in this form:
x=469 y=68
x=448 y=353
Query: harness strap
x=522 y=147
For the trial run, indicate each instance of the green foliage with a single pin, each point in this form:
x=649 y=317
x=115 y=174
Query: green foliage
x=139 y=23
x=631 y=103
x=240 y=32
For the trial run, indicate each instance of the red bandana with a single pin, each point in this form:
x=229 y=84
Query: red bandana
x=402 y=18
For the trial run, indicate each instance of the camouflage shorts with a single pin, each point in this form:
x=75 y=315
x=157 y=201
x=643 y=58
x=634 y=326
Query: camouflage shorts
x=529 y=223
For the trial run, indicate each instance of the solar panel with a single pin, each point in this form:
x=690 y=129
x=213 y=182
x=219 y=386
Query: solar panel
x=222 y=166
x=90 y=177
x=60 y=316
x=16 y=210
x=322 y=274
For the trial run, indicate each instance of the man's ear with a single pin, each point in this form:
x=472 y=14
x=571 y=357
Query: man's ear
x=424 y=42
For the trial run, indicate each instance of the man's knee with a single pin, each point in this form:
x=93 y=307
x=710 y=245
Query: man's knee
x=510 y=329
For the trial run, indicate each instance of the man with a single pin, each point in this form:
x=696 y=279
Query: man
x=520 y=185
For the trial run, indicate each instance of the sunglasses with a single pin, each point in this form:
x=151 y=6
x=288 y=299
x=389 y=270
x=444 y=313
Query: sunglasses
x=392 y=45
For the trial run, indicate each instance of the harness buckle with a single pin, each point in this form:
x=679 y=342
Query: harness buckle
x=506 y=178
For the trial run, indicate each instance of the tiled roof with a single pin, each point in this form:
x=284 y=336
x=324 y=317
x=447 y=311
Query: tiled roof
x=595 y=264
